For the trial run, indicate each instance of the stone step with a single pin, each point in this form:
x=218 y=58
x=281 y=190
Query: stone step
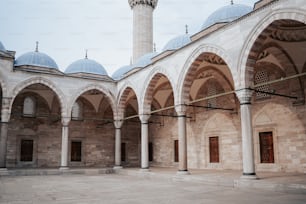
x=41 y=172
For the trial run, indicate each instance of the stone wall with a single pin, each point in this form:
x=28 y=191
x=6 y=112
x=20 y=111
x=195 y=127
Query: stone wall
x=44 y=129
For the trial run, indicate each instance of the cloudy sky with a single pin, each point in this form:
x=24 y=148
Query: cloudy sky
x=66 y=28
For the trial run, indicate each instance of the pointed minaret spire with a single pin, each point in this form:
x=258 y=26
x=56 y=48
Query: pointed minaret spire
x=86 y=57
x=186 y=26
x=154 y=47
x=232 y=2
x=36 y=49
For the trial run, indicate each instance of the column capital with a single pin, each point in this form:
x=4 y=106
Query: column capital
x=65 y=121
x=144 y=118
x=118 y=124
x=244 y=96
x=152 y=3
x=181 y=110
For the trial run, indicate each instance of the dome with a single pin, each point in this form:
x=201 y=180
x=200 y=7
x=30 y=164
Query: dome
x=2 y=48
x=86 y=66
x=36 y=59
x=145 y=60
x=227 y=14
x=121 y=71
x=177 y=42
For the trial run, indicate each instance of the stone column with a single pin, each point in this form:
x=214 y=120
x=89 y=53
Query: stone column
x=182 y=139
x=245 y=97
x=118 y=125
x=144 y=141
x=65 y=144
x=5 y=117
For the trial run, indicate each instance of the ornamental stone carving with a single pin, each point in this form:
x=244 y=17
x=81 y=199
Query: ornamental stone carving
x=151 y=3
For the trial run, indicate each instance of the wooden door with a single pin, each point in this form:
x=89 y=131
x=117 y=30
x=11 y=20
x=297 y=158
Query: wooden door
x=76 y=151
x=26 y=150
x=214 y=149
x=176 y=151
x=150 y=151
x=123 y=152
x=266 y=147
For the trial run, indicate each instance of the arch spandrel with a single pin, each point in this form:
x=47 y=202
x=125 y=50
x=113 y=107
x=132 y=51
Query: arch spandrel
x=255 y=39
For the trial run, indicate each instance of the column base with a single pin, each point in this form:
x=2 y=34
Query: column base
x=117 y=167
x=144 y=170
x=249 y=176
x=182 y=172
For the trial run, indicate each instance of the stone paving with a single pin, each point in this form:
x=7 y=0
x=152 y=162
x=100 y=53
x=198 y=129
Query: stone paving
x=116 y=188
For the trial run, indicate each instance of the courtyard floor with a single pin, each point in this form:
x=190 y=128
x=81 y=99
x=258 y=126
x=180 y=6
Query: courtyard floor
x=133 y=187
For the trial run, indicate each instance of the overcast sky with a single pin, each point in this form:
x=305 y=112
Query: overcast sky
x=66 y=28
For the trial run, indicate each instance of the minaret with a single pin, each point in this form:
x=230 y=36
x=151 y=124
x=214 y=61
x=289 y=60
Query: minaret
x=142 y=26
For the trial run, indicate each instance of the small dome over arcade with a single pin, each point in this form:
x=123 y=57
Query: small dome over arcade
x=227 y=14
x=86 y=66
x=145 y=60
x=121 y=72
x=2 y=48
x=36 y=58
x=178 y=42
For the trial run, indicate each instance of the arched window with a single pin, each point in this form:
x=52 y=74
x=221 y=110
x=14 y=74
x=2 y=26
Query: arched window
x=77 y=111
x=260 y=78
x=29 y=107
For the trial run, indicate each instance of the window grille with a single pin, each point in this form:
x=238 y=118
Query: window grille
x=262 y=77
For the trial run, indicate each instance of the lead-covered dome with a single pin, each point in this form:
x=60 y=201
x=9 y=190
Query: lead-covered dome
x=145 y=60
x=36 y=58
x=177 y=42
x=121 y=72
x=2 y=48
x=226 y=14
x=86 y=66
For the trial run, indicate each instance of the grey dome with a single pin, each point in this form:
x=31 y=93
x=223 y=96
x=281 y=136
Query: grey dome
x=121 y=71
x=145 y=60
x=86 y=66
x=2 y=48
x=36 y=59
x=227 y=14
x=177 y=42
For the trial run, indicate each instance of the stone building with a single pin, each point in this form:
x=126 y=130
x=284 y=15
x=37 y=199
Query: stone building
x=231 y=96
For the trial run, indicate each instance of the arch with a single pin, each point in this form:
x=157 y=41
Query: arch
x=148 y=90
x=40 y=80
x=248 y=54
x=122 y=99
x=219 y=76
x=89 y=87
x=186 y=75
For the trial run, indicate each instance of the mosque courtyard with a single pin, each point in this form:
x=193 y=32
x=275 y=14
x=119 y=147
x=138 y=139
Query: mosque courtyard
x=121 y=188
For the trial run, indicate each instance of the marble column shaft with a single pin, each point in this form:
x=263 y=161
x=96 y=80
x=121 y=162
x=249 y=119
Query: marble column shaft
x=245 y=96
